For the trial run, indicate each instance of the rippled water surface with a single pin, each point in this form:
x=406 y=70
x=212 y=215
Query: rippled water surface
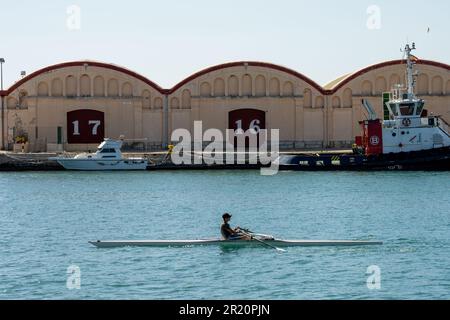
x=46 y=220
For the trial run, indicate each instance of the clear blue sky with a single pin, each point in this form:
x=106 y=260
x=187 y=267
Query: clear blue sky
x=168 y=40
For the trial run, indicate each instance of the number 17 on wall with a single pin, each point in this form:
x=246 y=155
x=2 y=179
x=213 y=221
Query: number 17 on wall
x=94 y=123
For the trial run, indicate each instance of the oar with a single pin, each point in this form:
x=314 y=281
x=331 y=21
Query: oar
x=265 y=243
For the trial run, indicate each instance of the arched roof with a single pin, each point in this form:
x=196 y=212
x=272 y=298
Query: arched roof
x=82 y=63
x=247 y=63
x=328 y=89
x=335 y=85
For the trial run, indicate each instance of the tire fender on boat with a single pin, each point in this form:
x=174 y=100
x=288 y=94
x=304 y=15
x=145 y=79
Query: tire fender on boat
x=406 y=122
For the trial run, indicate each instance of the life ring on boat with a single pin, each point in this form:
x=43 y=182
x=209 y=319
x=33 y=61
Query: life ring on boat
x=374 y=140
x=406 y=122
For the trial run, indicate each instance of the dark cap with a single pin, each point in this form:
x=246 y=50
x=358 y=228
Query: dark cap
x=226 y=215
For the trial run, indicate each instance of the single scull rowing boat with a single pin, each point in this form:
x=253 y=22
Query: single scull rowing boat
x=188 y=243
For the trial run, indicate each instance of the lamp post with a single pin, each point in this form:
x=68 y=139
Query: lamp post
x=2 y=61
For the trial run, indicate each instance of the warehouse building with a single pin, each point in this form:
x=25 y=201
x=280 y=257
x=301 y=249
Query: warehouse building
x=73 y=106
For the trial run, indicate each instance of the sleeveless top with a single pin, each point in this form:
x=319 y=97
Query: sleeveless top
x=225 y=230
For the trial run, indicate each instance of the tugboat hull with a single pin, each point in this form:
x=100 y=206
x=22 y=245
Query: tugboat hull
x=432 y=160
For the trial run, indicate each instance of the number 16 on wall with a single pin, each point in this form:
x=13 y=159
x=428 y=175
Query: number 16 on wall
x=254 y=126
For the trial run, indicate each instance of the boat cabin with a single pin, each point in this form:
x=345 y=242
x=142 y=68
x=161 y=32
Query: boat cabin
x=109 y=149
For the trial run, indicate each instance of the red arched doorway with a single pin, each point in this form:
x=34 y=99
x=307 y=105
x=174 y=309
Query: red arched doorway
x=85 y=126
x=241 y=120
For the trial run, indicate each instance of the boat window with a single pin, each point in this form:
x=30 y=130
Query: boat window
x=108 y=151
x=420 y=106
x=108 y=157
x=393 y=107
x=407 y=109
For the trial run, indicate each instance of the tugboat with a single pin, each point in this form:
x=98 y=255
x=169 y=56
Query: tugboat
x=410 y=140
x=107 y=157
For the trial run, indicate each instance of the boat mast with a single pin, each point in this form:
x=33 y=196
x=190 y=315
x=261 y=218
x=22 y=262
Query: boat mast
x=409 y=69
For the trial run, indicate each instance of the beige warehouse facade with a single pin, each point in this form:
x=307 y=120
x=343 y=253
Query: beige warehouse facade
x=71 y=106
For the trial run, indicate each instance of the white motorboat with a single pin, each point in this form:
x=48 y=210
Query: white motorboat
x=107 y=157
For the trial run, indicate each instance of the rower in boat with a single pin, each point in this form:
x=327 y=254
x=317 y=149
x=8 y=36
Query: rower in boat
x=229 y=233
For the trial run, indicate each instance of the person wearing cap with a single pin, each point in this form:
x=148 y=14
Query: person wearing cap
x=231 y=234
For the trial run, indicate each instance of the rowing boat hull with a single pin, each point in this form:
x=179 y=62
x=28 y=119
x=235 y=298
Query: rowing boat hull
x=188 y=243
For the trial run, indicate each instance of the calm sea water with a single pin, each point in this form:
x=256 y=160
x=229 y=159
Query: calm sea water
x=47 y=218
